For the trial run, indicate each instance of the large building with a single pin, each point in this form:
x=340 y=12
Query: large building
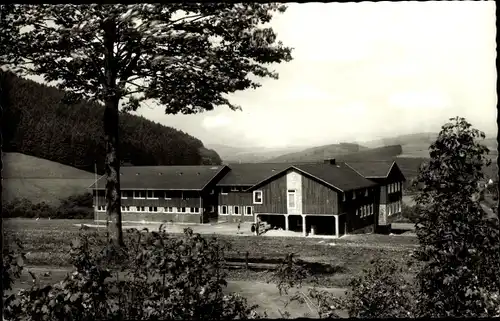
x=322 y=198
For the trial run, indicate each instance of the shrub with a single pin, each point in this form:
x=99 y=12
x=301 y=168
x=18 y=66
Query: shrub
x=73 y=207
x=163 y=278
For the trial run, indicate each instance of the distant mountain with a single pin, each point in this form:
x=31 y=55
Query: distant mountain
x=231 y=154
x=320 y=153
x=417 y=145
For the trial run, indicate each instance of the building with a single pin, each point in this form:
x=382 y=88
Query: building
x=327 y=198
x=164 y=193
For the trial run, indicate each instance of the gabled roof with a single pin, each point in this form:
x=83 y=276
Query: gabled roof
x=373 y=169
x=339 y=177
x=164 y=177
x=250 y=174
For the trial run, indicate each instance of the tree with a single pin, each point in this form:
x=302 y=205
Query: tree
x=458 y=243
x=185 y=56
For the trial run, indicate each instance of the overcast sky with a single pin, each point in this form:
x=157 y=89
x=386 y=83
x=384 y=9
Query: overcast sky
x=363 y=71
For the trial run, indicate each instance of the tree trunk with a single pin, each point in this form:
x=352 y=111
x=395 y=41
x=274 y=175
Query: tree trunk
x=111 y=124
x=112 y=168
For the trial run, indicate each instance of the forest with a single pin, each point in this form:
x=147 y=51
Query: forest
x=36 y=122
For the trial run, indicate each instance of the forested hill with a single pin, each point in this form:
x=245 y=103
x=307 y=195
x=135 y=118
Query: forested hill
x=37 y=123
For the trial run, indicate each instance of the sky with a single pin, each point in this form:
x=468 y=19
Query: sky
x=362 y=71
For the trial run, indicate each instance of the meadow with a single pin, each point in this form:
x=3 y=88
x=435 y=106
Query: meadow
x=48 y=243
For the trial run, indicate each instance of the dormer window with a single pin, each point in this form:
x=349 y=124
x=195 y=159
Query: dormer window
x=235 y=189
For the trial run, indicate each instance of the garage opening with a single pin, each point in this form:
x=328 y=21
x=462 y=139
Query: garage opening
x=321 y=225
x=276 y=221
x=295 y=223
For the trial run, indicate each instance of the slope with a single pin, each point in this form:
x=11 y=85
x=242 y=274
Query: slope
x=319 y=153
x=40 y=180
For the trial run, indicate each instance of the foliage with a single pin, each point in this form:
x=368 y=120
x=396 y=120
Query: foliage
x=73 y=207
x=458 y=243
x=381 y=292
x=409 y=214
x=184 y=56
x=72 y=135
x=163 y=278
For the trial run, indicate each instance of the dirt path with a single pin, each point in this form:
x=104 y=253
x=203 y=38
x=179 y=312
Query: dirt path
x=263 y=294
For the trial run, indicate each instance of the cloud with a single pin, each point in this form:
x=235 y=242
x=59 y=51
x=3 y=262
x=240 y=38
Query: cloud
x=212 y=122
x=420 y=100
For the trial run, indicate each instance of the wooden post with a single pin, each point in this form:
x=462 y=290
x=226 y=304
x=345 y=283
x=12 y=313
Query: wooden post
x=286 y=223
x=304 y=230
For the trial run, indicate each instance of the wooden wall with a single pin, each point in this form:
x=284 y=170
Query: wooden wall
x=318 y=198
x=273 y=197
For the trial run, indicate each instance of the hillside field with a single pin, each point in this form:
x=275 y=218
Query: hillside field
x=40 y=180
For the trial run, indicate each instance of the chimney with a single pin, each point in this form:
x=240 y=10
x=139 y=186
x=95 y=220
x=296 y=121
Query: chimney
x=330 y=161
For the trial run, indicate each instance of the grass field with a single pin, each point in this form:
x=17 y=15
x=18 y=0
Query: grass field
x=48 y=243
x=41 y=180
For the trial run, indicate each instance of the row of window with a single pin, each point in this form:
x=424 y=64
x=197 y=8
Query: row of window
x=153 y=195
x=394 y=208
x=235 y=210
x=155 y=209
x=395 y=187
x=365 y=210
x=353 y=194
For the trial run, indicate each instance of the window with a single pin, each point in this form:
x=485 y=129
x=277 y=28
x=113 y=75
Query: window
x=125 y=208
x=125 y=194
x=212 y=192
x=248 y=210
x=366 y=193
x=357 y=212
x=223 y=191
x=167 y=196
x=223 y=210
x=139 y=194
x=185 y=196
x=353 y=195
x=168 y=209
x=371 y=209
x=235 y=189
x=151 y=195
x=101 y=208
x=152 y=209
x=194 y=210
x=257 y=197
x=141 y=209
x=343 y=197
x=236 y=210
x=291 y=198
x=182 y=210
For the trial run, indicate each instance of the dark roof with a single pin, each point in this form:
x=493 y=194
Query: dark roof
x=250 y=174
x=164 y=177
x=338 y=176
x=372 y=169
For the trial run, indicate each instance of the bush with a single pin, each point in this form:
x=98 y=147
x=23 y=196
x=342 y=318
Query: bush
x=165 y=278
x=73 y=207
x=409 y=214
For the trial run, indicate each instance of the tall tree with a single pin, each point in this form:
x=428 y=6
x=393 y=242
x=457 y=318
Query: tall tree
x=185 y=56
x=459 y=244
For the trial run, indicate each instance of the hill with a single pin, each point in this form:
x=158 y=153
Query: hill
x=40 y=180
x=417 y=145
x=37 y=123
x=231 y=154
x=319 y=153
